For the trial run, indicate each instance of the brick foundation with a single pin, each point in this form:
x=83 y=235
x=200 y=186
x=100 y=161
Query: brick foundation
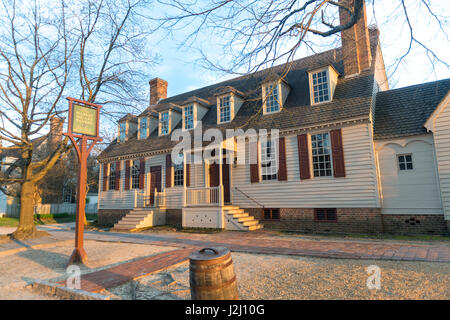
x=414 y=224
x=354 y=220
x=174 y=217
x=109 y=217
x=349 y=220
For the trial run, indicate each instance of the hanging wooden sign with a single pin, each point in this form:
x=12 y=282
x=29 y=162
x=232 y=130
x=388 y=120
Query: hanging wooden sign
x=83 y=126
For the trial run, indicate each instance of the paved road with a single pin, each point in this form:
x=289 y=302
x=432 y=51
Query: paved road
x=264 y=242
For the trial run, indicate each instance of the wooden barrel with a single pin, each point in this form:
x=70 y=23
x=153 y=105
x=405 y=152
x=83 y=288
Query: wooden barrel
x=211 y=275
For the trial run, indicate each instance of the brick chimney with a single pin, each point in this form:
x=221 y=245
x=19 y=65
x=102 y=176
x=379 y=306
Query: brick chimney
x=56 y=129
x=158 y=90
x=355 y=41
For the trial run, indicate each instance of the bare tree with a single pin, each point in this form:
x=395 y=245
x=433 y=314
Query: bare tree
x=255 y=34
x=45 y=48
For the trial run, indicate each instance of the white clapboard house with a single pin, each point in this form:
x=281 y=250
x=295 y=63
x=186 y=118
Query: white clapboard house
x=351 y=155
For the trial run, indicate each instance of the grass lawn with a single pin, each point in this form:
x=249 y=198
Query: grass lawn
x=44 y=219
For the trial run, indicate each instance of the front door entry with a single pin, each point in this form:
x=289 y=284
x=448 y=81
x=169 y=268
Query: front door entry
x=214 y=179
x=155 y=182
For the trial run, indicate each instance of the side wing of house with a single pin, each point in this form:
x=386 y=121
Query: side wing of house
x=439 y=124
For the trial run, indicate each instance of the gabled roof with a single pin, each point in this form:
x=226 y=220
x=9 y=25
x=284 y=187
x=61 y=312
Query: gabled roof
x=352 y=100
x=129 y=117
x=404 y=111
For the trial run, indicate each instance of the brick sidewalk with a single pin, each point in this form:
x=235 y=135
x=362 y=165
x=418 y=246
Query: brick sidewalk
x=115 y=276
x=255 y=242
x=265 y=243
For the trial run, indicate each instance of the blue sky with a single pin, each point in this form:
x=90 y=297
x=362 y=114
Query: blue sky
x=179 y=68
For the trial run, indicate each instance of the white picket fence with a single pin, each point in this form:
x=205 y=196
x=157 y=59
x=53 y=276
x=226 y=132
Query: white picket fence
x=51 y=208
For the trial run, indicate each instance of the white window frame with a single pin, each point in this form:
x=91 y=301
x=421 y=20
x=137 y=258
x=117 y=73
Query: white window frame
x=311 y=85
x=123 y=131
x=161 y=115
x=219 y=108
x=264 y=161
x=313 y=156
x=405 y=162
x=135 y=169
x=112 y=174
x=147 y=123
x=266 y=96
x=193 y=116
x=174 y=169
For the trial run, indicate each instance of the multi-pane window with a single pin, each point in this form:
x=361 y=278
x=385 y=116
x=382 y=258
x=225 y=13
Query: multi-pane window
x=189 y=117
x=271 y=214
x=320 y=86
x=178 y=171
x=112 y=176
x=269 y=167
x=321 y=154
x=225 y=109
x=164 y=122
x=272 y=98
x=405 y=162
x=325 y=214
x=143 y=128
x=135 y=171
x=122 y=133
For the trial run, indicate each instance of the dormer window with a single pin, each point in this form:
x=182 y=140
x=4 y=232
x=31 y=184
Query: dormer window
x=274 y=95
x=322 y=83
x=143 y=125
x=164 y=123
x=123 y=131
x=320 y=87
x=272 y=103
x=188 y=117
x=225 y=109
x=229 y=101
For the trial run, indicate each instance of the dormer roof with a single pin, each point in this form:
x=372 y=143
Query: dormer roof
x=198 y=100
x=227 y=89
x=165 y=106
x=129 y=117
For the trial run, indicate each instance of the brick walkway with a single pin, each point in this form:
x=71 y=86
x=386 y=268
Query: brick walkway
x=260 y=242
x=265 y=243
x=115 y=276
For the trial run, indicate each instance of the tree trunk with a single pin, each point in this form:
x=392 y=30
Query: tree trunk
x=26 y=228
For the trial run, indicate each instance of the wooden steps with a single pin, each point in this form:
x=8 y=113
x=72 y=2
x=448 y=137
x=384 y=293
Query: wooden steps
x=237 y=219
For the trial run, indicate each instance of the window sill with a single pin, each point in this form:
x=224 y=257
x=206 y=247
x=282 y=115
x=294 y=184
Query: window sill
x=272 y=112
x=317 y=103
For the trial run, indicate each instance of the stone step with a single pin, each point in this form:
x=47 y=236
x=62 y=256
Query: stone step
x=143 y=213
x=130 y=220
x=250 y=223
x=239 y=215
x=230 y=207
x=247 y=218
x=256 y=227
x=233 y=211
x=136 y=216
x=124 y=226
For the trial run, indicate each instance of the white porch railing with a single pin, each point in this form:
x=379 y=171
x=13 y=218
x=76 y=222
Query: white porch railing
x=206 y=196
x=143 y=200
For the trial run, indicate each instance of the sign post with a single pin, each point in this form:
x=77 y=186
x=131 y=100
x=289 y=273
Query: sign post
x=83 y=125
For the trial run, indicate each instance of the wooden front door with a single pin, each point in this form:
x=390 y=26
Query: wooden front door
x=155 y=182
x=214 y=179
x=226 y=182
